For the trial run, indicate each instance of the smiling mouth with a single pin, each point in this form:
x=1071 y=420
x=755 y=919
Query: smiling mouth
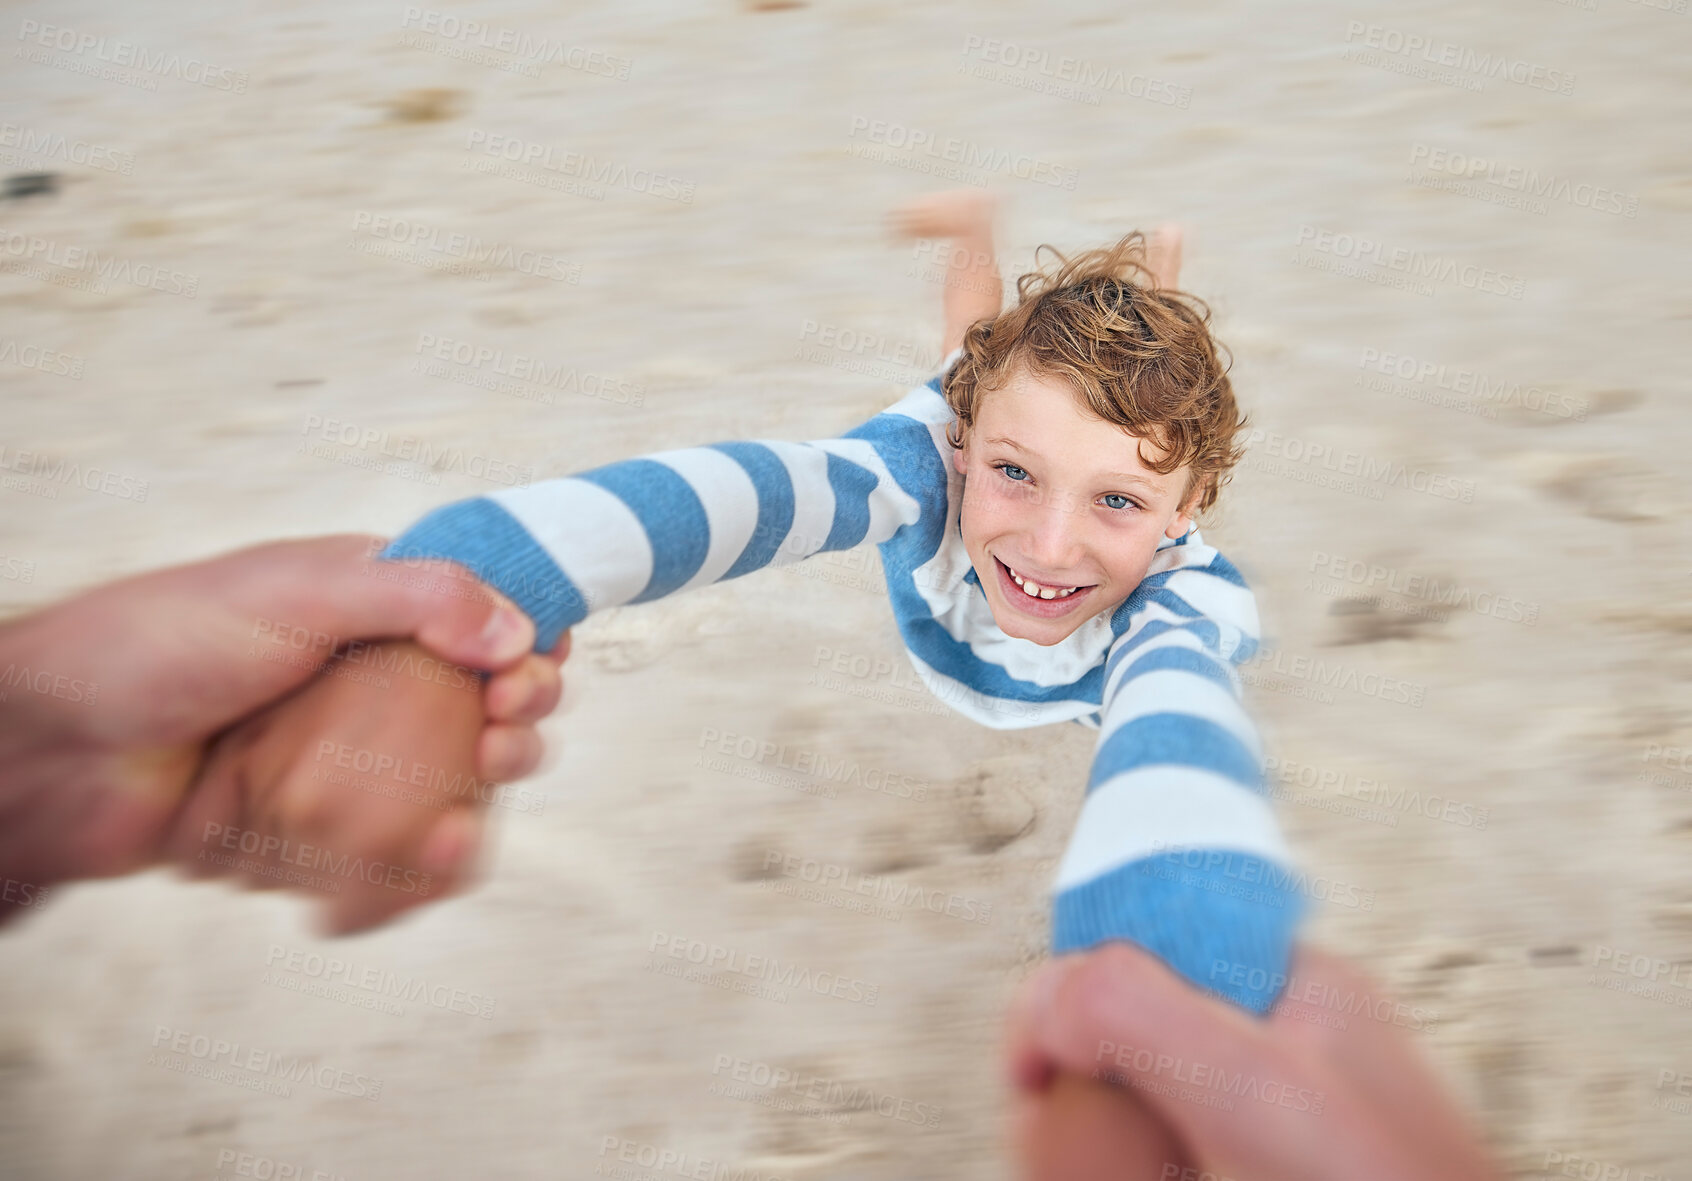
x=1046 y=602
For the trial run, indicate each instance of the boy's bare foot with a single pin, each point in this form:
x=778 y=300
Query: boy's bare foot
x=957 y=213
x=1163 y=254
x=963 y=218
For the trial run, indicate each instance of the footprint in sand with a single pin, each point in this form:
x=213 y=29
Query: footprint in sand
x=1372 y=620
x=1604 y=485
x=993 y=811
x=1610 y=487
x=434 y=104
x=1551 y=408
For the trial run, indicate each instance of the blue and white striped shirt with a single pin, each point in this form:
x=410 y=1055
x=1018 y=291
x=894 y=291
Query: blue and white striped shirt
x=1176 y=849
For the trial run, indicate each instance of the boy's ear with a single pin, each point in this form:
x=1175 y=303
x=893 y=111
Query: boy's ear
x=1182 y=521
x=960 y=460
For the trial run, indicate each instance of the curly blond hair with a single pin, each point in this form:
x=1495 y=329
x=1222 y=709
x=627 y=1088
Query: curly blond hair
x=1137 y=355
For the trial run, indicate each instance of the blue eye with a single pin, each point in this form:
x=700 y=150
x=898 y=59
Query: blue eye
x=1009 y=468
x=1126 y=503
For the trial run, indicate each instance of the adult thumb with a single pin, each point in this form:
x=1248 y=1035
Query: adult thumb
x=336 y=587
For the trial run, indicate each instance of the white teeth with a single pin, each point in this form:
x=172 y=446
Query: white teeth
x=1035 y=591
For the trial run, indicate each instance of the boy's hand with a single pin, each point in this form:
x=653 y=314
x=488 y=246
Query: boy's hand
x=361 y=787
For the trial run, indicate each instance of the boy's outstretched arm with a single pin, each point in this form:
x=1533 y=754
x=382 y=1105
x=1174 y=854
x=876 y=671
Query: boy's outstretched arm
x=1177 y=849
x=370 y=771
x=643 y=528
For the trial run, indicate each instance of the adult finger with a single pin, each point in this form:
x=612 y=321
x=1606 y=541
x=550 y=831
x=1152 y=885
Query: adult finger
x=1217 y=1077
x=1079 y=1005
x=1372 y=1049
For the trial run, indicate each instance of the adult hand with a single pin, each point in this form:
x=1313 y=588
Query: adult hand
x=111 y=698
x=1124 y=1070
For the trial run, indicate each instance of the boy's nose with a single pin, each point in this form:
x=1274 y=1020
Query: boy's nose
x=1053 y=539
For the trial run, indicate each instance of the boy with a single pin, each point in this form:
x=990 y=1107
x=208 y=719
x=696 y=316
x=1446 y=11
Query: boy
x=1034 y=509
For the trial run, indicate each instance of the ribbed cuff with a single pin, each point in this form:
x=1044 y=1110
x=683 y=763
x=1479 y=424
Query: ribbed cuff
x=1224 y=923
x=489 y=542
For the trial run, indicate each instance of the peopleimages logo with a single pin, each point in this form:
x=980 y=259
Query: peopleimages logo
x=129 y=54
x=33 y=145
x=958 y=151
x=323 y=434
x=467 y=248
x=1355 y=464
x=1341 y=1001
x=391 y=774
x=251 y=1067
x=1586 y=1168
x=47 y=683
x=580 y=166
x=1067 y=77
x=37 y=465
x=88 y=268
x=312 y=858
x=1473 y=389
x=638 y=1161
x=885 y=889
x=1199 y=1082
x=1326 y=675
x=841 y=770
x=49 y=361
x=536 y=51
x=859 y=344
x=715 y=958
x=1252 y=870
x=16 y=893
x=1391 y=800
x=374 y=985
x=837 y=1096
x=1438 y=52
x=1407 y=263
x=485 y=366
x=1448 y=594
x=1529 y=182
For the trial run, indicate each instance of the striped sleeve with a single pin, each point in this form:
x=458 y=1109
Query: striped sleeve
x=640 y=529
x=1176 y=848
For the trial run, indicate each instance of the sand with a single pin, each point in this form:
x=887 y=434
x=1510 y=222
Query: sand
x=1461 y=518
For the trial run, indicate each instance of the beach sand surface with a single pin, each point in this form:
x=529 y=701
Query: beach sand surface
x=1464 y=518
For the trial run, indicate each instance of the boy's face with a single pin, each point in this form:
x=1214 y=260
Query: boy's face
x=1061 y=498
